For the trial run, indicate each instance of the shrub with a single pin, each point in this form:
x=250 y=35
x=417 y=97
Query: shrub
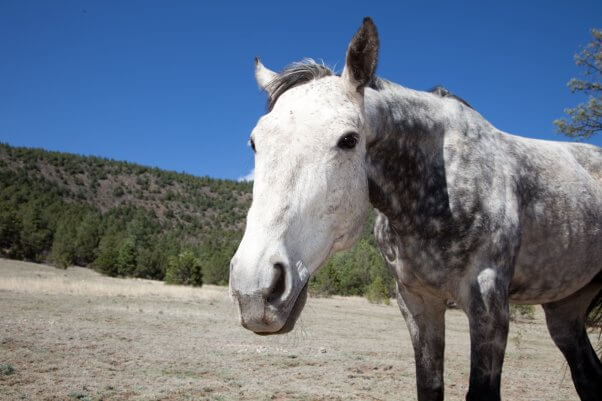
x=63 y=246
x=215 y=257
x=87 y=238
x=377 y=292
x=184 y=268
x=352 y=272
x=10 y=227
x=35 y=236
x=118 y=191
x=594 y=314
x=6 y=369
x=150 y=263
x=108 y=253
x=524 y=311
x=126 y=259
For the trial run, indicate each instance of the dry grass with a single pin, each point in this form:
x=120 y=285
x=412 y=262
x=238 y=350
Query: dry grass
x=77 y=281
x=73 y=334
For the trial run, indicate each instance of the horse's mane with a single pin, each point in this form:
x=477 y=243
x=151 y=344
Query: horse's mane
x=307 y=70
x=295 y=74
x=444 y=92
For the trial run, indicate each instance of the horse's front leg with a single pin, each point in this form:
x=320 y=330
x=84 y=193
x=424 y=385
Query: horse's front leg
x=486 y=304
x=425 y=318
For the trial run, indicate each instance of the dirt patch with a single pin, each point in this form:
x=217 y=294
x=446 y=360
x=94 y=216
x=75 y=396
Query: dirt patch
x=76 y=335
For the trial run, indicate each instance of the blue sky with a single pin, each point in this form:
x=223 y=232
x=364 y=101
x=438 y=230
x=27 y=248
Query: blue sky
x=170 y=83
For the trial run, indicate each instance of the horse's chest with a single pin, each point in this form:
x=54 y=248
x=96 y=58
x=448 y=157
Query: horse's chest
x=419 y=260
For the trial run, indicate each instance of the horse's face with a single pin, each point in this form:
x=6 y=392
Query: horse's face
x=309 y=199
x=310 y=191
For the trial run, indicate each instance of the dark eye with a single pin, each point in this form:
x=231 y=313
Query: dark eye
x=252 y=144
x=348 y=141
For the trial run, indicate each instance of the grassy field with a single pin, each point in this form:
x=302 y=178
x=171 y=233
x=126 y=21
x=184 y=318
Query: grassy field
x=76 y=335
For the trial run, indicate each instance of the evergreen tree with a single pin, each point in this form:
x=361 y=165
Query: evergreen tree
x=126 y=259
x=35 y=237
x=10 y=227
x=64 y=246
x=215 y=254
x=586 y=118
x=108 y=252
x=184 y=268
x=87 y=238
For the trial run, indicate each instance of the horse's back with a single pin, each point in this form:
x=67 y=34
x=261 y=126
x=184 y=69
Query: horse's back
x=589 y=157
x=557 y=170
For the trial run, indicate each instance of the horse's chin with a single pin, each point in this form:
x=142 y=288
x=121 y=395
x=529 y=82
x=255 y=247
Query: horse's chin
x=289 y=325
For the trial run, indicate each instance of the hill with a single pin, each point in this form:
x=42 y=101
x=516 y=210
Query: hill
x=124 y=219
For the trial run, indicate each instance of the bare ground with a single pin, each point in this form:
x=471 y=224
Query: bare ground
x=76 y=335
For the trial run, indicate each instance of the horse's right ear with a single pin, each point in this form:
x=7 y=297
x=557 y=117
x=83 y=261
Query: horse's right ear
x=362 y=56
x=263 y=75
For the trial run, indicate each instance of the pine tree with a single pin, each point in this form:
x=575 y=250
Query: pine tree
x=126 y=259
x=63 y=245
x=10 y=227
x=586 y=118
x=87 y=239
x=108 y=252
x=35 y=236
x=184 y=269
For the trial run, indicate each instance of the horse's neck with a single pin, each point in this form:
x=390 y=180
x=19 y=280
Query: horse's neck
x=392 y=109
x=405 y=146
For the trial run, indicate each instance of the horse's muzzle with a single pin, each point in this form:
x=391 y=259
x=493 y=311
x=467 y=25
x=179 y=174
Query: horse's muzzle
x=275 y=308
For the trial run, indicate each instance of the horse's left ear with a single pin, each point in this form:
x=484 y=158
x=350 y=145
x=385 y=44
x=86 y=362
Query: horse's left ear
x=263 y=75
x=362 y=56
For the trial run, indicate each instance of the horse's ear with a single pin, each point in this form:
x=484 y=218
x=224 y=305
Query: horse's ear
x=263 y=75
x=362 y=56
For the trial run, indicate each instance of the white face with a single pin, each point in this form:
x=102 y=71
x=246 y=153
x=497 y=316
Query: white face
x=310 y=197
x=310 y=193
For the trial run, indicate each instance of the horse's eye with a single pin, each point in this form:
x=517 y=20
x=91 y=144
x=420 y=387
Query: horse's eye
x=348 y=141
x=252 y=144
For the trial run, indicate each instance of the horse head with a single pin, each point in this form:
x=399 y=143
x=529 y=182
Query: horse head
x=310 y=189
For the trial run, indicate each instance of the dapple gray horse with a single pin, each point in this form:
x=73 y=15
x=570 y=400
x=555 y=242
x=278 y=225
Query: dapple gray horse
x=465 y=213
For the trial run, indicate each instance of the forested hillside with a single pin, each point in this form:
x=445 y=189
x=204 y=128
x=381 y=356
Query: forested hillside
x=125 y=219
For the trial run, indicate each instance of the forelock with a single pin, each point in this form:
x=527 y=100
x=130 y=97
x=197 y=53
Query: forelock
x=295 y=74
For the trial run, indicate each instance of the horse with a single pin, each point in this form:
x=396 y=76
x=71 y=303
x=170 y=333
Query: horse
x=465 y=212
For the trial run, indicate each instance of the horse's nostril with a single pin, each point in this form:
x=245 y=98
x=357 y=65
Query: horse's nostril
x=278 y=284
